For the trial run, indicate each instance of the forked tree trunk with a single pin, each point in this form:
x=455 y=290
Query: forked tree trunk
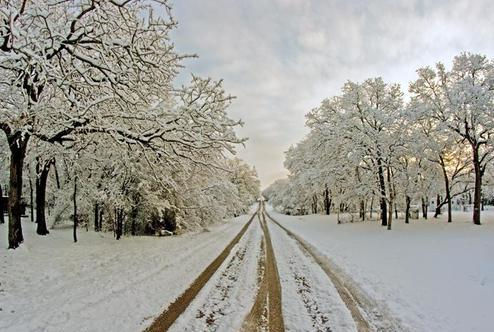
x=447 y=189
x=42 y=171
x=18 y=144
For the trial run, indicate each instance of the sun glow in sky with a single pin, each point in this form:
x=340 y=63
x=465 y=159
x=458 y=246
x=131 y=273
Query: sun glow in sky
x=280 y=58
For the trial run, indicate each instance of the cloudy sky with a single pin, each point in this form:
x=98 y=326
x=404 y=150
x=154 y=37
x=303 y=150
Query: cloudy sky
x=282 y=57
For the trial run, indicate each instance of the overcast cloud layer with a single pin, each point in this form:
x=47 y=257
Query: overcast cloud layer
x=282 y=57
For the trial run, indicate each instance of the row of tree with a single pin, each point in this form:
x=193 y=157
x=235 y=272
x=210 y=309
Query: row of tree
x=89 y=108
x=368 y=148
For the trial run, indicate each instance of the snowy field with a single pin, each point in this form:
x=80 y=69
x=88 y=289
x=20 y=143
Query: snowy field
x=430 y=275
x=99 y=284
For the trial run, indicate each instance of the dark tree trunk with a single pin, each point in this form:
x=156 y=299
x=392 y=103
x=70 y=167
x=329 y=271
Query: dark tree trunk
x=447 y=189
x=477 y=191
x=396 y=211
x=31 y=196
x=391 y=199
x=42 y=171
x=18 y=144
x=438 y=206
x=75 y=210
x=2 y=208
x=57 y=178
x=327 y=201
x=119 y=228
x=101 y=220
x=424 y=208
x=96 y=217
x=407 y=209
x=133 y=216
x=382 y=189
x=362 y=210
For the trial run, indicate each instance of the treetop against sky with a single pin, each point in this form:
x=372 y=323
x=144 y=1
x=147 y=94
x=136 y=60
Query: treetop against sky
x=282 y=58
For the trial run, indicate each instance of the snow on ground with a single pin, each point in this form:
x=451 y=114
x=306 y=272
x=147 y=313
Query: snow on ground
x=100 y=284
x=431 y=275
x=226 y=299
x=310 y=301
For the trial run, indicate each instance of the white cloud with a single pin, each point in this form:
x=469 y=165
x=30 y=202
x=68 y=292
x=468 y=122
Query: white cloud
x=281 y=58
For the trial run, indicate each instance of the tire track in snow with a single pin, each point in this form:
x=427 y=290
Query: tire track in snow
x=175 y=309
x=266 y=313
x=367 y=315
x=311 y=302
x=344 y=293
x=228 y=296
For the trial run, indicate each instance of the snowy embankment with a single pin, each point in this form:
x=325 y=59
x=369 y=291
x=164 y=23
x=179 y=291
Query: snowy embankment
x=430 y=275
x=100 y=284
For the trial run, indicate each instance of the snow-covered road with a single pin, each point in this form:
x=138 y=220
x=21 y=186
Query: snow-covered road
x=279 y=272
x=428 y=275
x=99 y=284
x=268 y=282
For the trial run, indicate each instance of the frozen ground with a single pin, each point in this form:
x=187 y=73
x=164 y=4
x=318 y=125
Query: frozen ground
x=431 y=275
x=99 y=284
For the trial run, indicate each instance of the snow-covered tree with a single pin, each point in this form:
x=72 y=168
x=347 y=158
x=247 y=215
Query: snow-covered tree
x=461 y=99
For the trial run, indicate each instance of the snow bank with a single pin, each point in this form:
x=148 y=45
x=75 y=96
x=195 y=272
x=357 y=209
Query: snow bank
x=431 y=275
x=99 y=284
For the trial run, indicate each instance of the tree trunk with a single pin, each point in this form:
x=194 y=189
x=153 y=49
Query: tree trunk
x=119 y=217
x=382 y=188
x=101 y=220
x=2 y=208
x=438 y=206
x=447 y=189
x=42 y=171
x=75 y=209
x=424 y=208
x=133 y=215
x=362 y=210
x=31 y=197
x=407 y=209
x=391 y=199
x=477 y=193
x=18 y=144
x=327 y=201
x=96 y=217
x=371 y=207
x=390 y=216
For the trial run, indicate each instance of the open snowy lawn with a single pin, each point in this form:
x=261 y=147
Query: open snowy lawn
x=430 y=275
x=99 y=284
